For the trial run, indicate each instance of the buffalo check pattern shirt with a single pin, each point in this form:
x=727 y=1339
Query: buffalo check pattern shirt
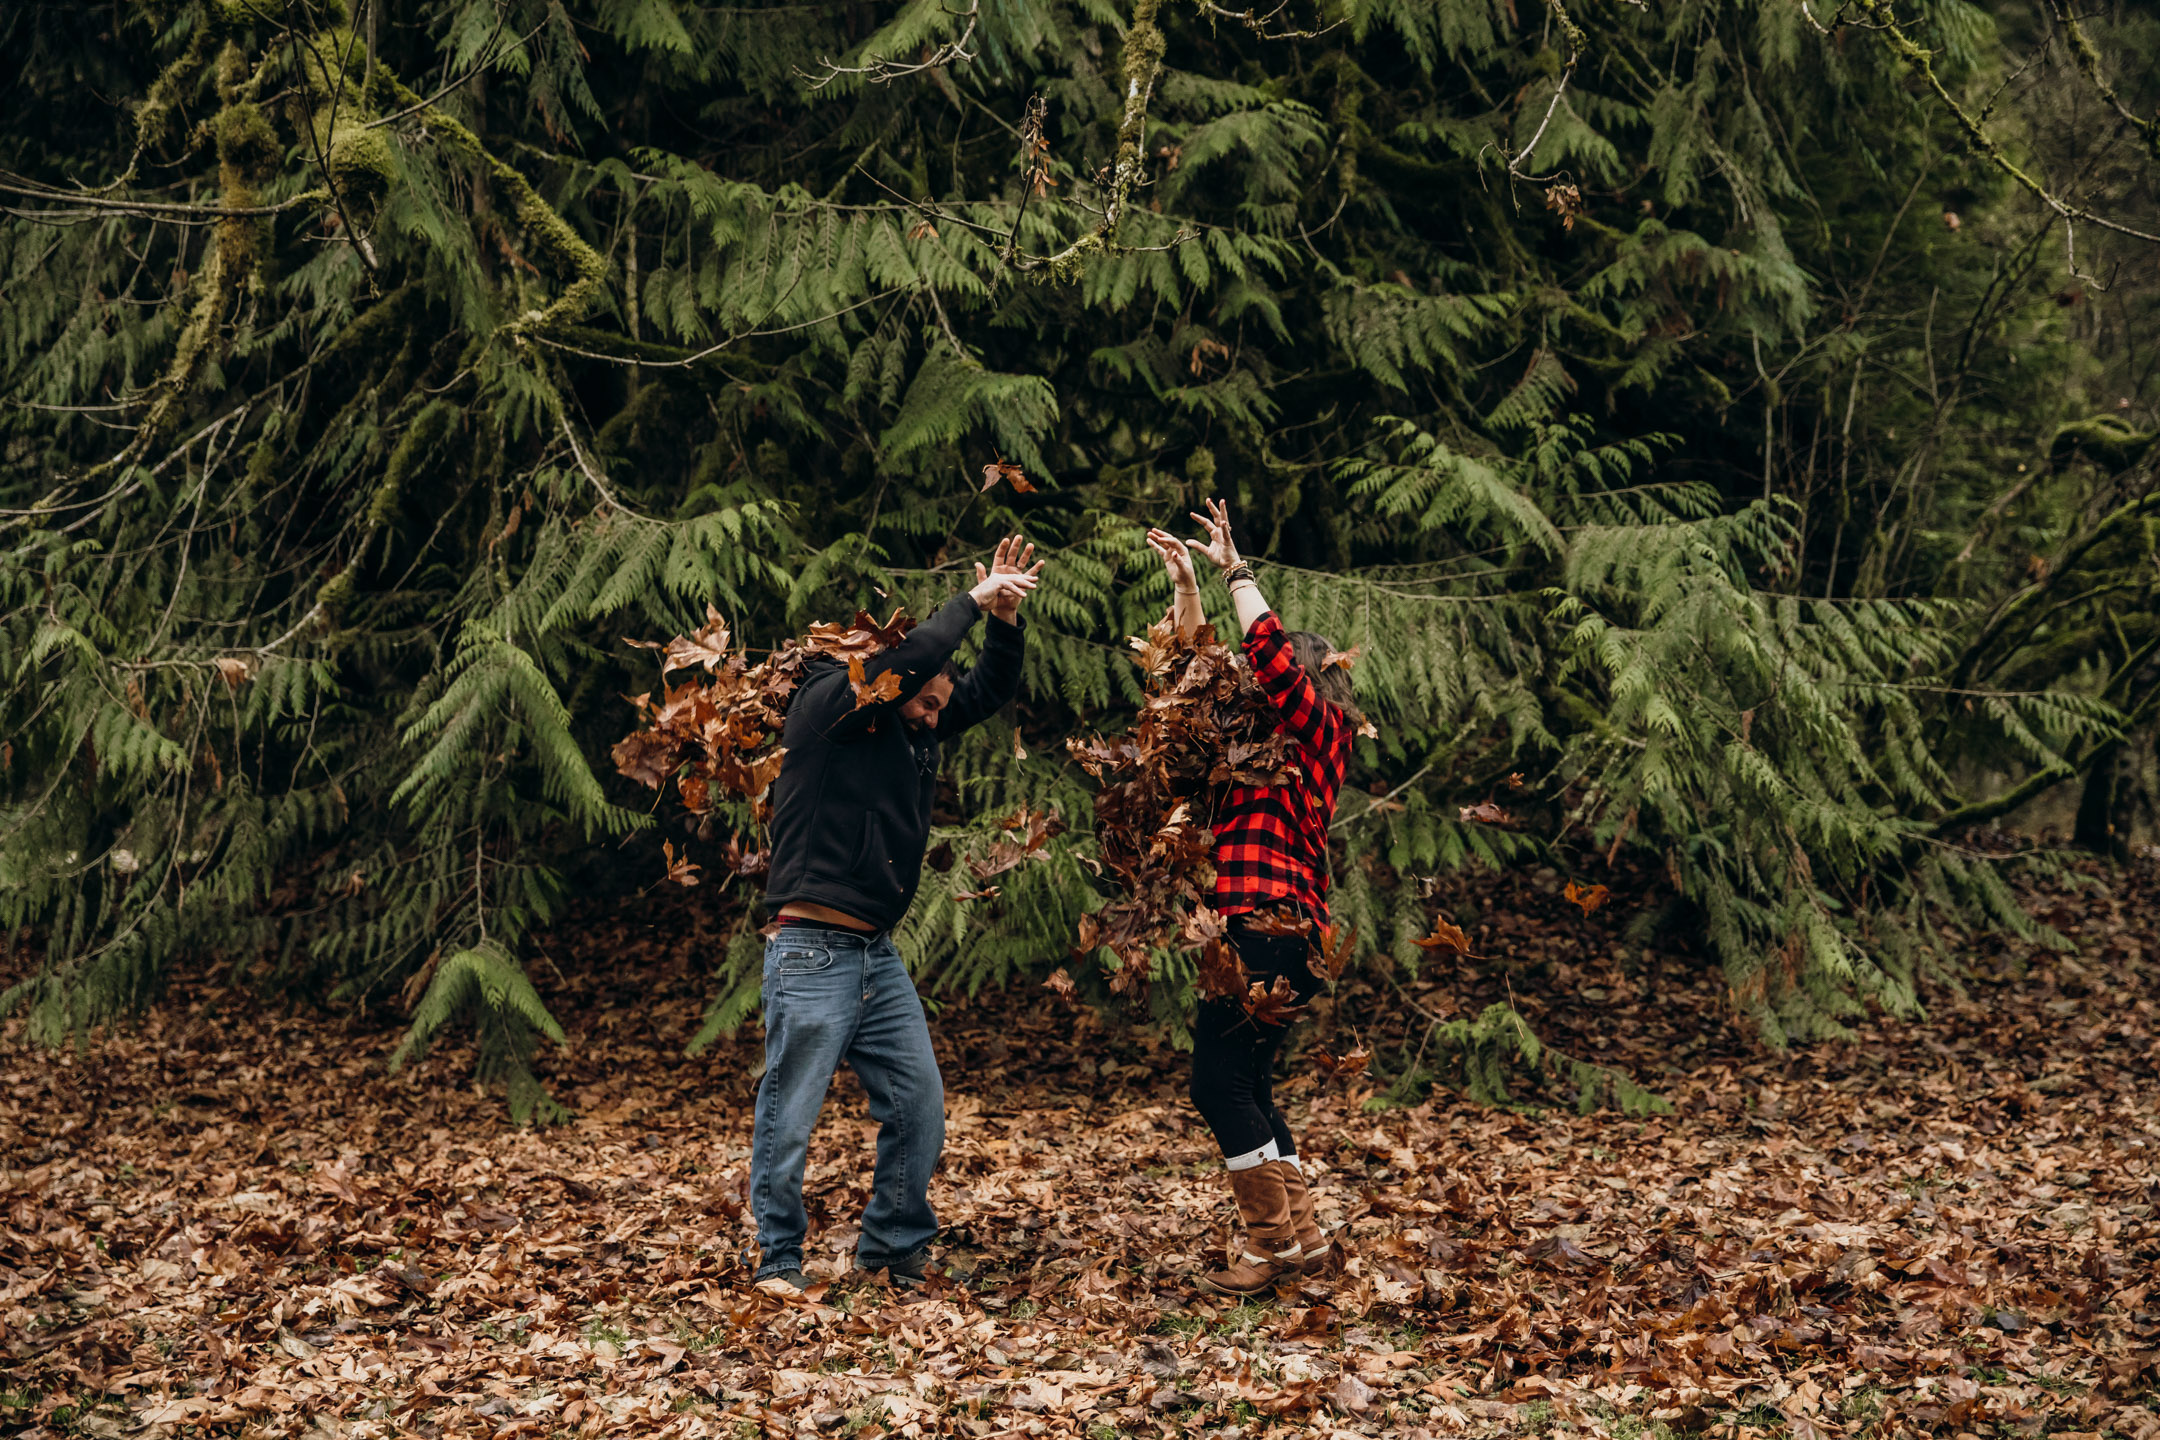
x=1271 y=840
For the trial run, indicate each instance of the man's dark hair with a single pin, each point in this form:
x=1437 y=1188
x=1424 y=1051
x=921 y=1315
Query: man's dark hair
x=951 y=671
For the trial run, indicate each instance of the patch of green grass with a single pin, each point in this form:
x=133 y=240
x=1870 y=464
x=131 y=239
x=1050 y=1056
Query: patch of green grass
x=1182 y=1326
x=1534 y=1417
x=599 y=1331
x=1762 y=1417
x=2060 y=1384
x=1240 y=1318
x=1025 y=1310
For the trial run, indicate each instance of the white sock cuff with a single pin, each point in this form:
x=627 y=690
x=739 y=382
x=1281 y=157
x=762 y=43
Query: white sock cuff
x=1252 y=1159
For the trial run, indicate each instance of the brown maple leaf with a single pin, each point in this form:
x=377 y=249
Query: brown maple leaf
x=1221 y=975
x=1445 y=937
x=1589 y=897
x=648 y=757
x=1484 y=813
x=1275 y=1004
x=1279 y=921
x=1350 y=1062
x=872 y=692
x=1342 y=659
x=1333 y=952
x=682 y=871
x=1010 y=473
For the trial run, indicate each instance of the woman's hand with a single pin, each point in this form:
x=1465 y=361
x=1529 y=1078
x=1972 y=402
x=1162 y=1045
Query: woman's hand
x=1000 y=589
x=1220 y=548
x=1175 y=560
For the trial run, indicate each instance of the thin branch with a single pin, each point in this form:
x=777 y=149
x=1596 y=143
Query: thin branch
x=1258 y=23
x=150 y=209
x=487 y=64
x=693 y=358
x=879 y=71
x=1575 y=41
x=1921 y=62
x=2087 y=56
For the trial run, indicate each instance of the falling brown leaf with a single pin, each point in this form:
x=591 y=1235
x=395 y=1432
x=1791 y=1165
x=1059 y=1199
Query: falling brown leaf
x=1342 y=659
x=233 y=670
x=1273 y=1004
x=872 y=692
x=682 y=871
x=1484 y=813
x=1445 y=936
x=921 y=230
x=1010 y=473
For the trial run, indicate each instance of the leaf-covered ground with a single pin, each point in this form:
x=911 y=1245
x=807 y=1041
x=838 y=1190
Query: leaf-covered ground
x=237 y=1222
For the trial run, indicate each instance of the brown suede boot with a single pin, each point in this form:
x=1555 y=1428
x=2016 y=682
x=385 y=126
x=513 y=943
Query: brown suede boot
x=1316 y=1251
x=1271 y=1251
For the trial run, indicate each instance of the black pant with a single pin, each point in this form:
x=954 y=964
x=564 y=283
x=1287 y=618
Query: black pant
x=1233 y=1083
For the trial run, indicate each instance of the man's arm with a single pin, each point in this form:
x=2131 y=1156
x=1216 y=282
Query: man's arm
x=828 y=701
x=991 y=685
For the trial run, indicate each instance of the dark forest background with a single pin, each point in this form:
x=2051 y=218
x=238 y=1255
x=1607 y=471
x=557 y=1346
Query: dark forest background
x=1725 y=428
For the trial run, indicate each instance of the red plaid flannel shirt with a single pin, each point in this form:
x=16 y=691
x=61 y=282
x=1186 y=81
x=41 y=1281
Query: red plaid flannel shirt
x=1271 y=840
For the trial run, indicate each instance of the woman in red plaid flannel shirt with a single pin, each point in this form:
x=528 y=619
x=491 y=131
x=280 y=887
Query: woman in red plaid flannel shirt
x=1271 y=855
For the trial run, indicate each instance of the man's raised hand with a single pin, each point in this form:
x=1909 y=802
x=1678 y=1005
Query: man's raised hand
x=1002 y=587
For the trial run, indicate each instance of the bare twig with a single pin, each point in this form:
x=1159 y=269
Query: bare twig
x=879 y=71
x=94 y=205
x=1921 y=62
x=487 y=64
x=1256 y=22
x=1575 y=42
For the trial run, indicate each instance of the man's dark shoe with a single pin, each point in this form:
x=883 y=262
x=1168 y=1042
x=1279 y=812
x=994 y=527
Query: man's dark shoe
x=907 y=1272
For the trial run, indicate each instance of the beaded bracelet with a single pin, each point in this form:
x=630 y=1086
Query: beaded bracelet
x=1237 y=572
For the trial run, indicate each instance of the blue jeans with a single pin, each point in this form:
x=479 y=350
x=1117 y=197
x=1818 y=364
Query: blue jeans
x=829 y=997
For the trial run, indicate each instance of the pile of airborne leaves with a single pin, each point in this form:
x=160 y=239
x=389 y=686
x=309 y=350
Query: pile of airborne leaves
x=1204 y=726
x=718 y=734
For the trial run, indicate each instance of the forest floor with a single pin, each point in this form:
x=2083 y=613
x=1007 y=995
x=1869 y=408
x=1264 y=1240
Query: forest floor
x=232 y=1220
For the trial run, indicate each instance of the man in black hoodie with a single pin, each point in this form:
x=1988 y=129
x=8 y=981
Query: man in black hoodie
x=851 y=819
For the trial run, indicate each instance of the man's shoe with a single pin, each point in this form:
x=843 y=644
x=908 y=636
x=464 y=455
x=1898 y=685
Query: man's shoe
x=1271 y=1252
x=907 y=1272
x=792 y=1279
x=1316 y=1251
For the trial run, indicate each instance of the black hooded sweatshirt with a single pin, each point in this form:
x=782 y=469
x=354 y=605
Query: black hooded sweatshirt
x=851 y=808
